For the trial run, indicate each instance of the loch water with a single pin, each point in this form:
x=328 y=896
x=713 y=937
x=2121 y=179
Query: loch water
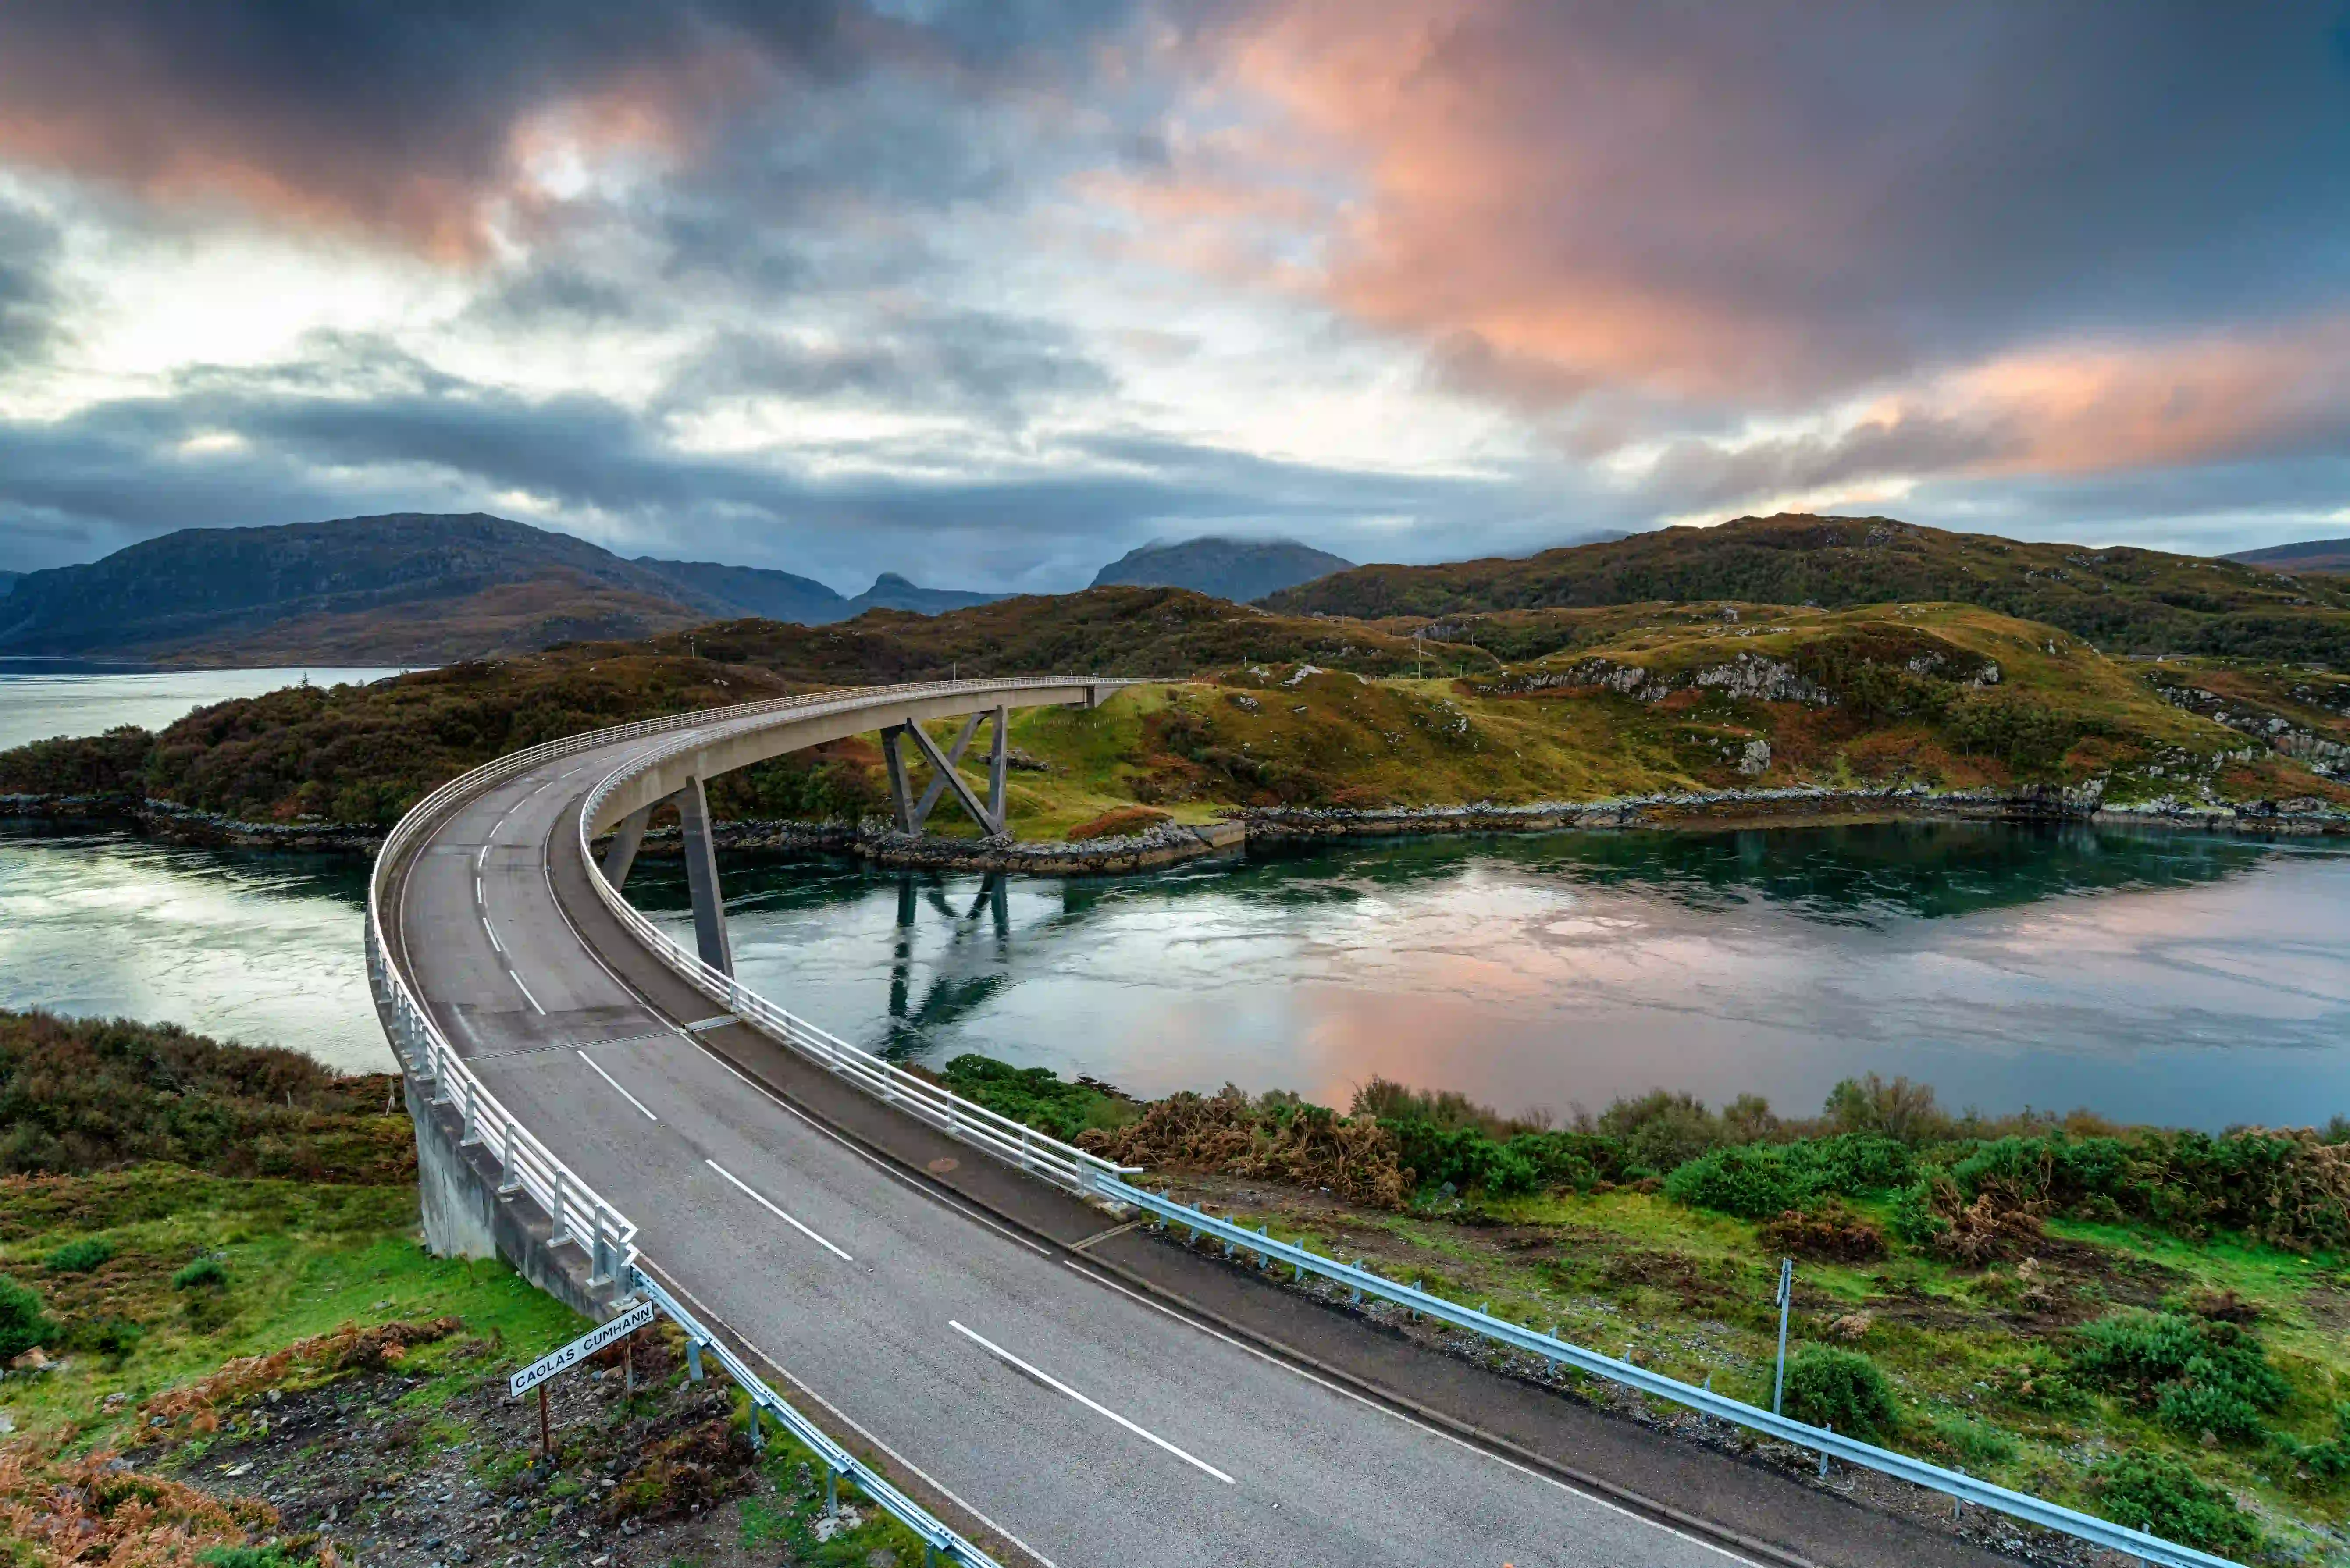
x=2186 y=979
x=2176 y=977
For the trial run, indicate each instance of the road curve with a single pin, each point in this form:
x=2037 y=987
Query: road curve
x=1074 y=1417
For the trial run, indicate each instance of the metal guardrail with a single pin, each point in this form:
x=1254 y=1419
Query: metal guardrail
x=1956 y=1484
x=533 y=1169
x=1091 y=1177
x=1013 y=1142
x=937 y=1540
x=576 y=1213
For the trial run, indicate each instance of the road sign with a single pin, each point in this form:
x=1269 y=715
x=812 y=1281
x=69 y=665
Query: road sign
x=580 y=1349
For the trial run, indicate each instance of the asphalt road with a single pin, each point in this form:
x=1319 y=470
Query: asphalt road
x=1072 y=1416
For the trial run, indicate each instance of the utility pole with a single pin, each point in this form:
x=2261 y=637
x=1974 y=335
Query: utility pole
x=1786 y=1298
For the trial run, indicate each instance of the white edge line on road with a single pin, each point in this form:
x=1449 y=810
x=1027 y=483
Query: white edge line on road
x=1049 y=1381
x=492 y=936
x=527 y=996
x=876 y=1161
x=778 y=1213
x=546 y=870
x=607 y=1077
x=1413 y=1422
x=838 y=1414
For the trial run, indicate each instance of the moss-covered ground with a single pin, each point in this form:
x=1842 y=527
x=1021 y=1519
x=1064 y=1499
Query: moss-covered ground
x=1940 y=697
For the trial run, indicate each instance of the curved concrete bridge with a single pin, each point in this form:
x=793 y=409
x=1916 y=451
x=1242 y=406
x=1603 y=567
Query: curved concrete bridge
x=1063 y=1388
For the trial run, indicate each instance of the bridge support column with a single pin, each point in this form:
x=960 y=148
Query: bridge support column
x=702 y=879
x=901 y=795
x=997 y=761
x=626 y=840
x=938 y=786
x=943 y=768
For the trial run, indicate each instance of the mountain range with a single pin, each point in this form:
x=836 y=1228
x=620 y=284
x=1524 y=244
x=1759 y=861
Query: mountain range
x=1235 y=569
x=424 y=589
x=2122 y=599
x=418 y=588
x=2309 y=555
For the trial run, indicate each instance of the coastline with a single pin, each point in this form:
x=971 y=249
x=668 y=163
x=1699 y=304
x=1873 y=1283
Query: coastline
x=1167 y=843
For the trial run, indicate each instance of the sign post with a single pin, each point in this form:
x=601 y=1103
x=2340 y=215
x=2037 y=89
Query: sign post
x=538 y=1372
x=1786 y=1299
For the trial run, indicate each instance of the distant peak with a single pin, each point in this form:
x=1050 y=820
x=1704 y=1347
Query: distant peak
x=889 y=580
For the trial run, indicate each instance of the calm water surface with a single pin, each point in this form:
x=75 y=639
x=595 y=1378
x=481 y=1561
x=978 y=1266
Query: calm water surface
x=2174 y=977
x=41 y=698
x=260 y=945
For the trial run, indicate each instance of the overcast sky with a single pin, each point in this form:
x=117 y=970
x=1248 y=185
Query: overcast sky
x=989 y=294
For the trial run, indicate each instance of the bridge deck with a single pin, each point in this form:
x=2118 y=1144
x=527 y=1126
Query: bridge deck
x=1064 y=1411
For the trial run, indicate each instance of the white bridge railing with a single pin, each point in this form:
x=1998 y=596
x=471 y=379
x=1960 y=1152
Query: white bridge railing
x=582 y=1216
x=1012 y=1141
x=577 y=1213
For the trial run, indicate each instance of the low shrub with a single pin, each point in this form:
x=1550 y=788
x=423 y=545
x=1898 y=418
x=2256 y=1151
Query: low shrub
x=110 y=1336
x=2163 y=1497
x=23 y=1324
x=1965 y=1438
x=1119 y=822
x=2200 y=1376
x=273 y=1555
x=2288 y=1188
x=203 y=1274
x=1833 y=1235
x=79 y=1257
x=1916 y=1219
x=1275 y=1137
x=2326 y=1463
x=1038 y=1096
x=1753 y=1182
x=1843 y=1389
x=1756 y=1182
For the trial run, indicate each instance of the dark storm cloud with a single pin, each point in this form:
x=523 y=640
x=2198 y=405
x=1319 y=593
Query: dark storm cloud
x=398 y=118
x=1757 y=205
x=120 y=471
x=978 y=362
x=30 y=302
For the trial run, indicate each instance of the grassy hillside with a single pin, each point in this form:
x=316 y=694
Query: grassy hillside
x=507 y=617
x=288 y=1379
x=2309 y=555
x=2141 y=1322
x=1940 y=696
x=2122 y=599
x=362 y=754
x=1281 y=711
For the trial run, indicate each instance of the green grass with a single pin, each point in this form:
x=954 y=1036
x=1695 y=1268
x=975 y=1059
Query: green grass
x=297 y=1260
x=2059 y=713
x=789 y=1520
x=1977 y=1380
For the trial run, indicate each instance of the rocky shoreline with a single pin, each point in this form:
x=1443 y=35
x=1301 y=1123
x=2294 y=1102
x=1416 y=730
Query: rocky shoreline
x=175 y=823
x=1167 y=843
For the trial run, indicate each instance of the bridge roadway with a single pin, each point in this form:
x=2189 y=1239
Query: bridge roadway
x=1074 y=1418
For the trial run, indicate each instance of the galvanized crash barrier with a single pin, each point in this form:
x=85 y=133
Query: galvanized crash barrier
x=939 y=1543
x=576 y=1214
x=1827 y=1443
x=1013 y=1142
x=1090 y=1176
x=582 y=1217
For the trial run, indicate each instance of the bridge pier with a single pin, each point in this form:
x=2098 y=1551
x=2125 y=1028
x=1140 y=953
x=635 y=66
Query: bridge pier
x=702 y=878
x=912 y=813
x=627 y=840
x=901 y=797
